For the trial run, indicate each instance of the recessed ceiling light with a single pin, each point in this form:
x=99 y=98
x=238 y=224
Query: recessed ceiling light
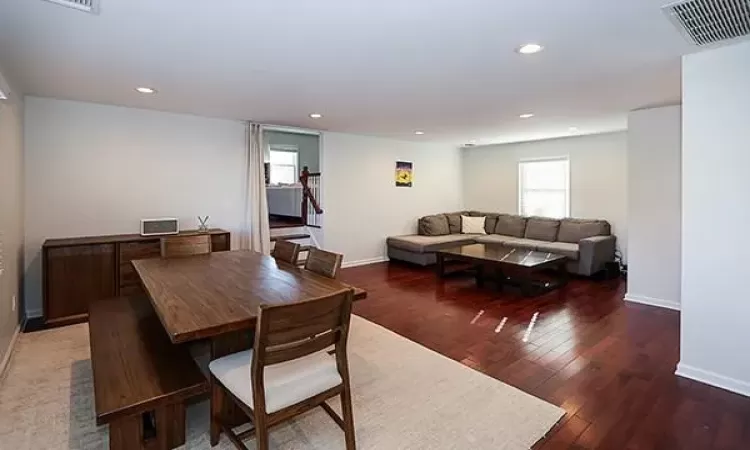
x=529 y=49
x=473 y=141
x=316 y=115
x=526 y=116
x=419 y=133
x=146 y=90
x=573 y=129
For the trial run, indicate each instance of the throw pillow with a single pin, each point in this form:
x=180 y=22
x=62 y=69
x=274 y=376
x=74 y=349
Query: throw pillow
x=436 y=225
x=472 y=225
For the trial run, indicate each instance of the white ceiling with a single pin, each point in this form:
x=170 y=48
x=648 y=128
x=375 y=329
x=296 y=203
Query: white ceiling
x=385 y=67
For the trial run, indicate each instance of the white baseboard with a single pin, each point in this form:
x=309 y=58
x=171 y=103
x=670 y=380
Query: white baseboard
x=713 y=379
x=661 y=303
x=9 y=351
x=364 y=262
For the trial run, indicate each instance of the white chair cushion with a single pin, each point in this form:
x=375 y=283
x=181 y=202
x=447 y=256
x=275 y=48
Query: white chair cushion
x=286 y=383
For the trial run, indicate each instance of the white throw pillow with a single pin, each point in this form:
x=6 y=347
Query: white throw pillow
x=472 y=225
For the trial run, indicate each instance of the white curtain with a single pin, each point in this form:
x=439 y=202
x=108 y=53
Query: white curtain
x=256 y=235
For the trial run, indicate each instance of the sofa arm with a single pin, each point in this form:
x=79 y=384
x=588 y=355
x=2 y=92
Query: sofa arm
x=594 y=252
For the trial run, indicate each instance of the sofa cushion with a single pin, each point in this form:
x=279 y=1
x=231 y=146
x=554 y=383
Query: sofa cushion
x=510 y=225
x=473 y=225
x=498 y=239
x=436 y=225
x=454 y=221
x=542 y=229
x=490 y=222
x=526 y=244
x=560 y=248
x=423 y=244
x=573 y=230
x=508 y=241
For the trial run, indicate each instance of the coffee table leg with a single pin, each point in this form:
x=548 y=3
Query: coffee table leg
x=500 y=278
x=563 y=273
x=440 y=265
x=480 y=275
x=527 y=285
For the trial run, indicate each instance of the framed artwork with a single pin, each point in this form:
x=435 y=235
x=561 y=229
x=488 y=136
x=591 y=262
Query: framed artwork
x=404 y=174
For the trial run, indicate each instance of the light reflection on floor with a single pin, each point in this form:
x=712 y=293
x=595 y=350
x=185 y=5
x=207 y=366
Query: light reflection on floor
x=474 y=320
x=499 y=328
x=530 y=327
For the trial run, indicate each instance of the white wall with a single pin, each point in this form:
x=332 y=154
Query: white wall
x=362 y=204
x=598 y=185
x=715 y=217
x=11 y=215
x=654 y=206
x=95 y=169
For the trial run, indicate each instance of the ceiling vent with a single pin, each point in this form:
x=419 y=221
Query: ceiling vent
x=705 y=22
x=89 y=6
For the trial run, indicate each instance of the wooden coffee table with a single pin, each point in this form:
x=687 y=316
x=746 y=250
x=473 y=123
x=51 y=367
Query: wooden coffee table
x=509 y=265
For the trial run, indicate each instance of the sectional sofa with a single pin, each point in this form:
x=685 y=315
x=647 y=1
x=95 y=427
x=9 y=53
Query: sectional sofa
x=588 y=244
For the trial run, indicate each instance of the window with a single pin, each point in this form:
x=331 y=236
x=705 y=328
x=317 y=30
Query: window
x=544 y=188
x=284 y=168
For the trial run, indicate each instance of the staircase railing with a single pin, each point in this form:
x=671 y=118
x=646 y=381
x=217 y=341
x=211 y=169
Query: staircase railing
x=311 y=209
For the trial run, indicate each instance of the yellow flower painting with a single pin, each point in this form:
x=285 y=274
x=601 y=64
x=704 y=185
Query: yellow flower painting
x=404 y=174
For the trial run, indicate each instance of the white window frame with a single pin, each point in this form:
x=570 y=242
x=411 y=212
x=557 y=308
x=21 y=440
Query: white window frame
x=521 y=189
x=286 y=149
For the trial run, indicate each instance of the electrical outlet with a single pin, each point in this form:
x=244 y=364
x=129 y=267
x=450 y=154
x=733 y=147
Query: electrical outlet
x=14 y=301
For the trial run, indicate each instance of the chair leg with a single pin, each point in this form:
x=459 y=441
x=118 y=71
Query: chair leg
x=217 y=406
x=261 y=431
x=346 y=411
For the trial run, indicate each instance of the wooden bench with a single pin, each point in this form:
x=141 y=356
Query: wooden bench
x=141 y=379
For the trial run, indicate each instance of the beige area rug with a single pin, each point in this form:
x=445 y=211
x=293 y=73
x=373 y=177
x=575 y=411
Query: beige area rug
x=405 y=397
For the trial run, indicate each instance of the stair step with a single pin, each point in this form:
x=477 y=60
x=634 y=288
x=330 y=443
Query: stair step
x=284 y=221
x=289 y=237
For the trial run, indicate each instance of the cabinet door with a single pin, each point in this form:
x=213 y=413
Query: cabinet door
x=145 y=249
x=76 y=276
x=129 y=283
x=220 y=242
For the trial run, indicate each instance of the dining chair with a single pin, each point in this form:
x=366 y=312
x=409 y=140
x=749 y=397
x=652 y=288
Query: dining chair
x=176 y=246
x=323 y=262
x=286 y=251
x=288 y=371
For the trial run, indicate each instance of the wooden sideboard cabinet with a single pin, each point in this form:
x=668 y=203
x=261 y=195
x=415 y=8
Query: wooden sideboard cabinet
x=77 y=271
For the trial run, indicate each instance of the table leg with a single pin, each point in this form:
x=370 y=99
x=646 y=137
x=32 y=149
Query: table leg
x=563 y=274
x=480 y=275
x=440 y=265
x=500 y=278
x=227 y=344
x=527 y=284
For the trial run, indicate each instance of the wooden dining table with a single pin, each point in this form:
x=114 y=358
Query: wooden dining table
x=215 y=297
x=208 y=296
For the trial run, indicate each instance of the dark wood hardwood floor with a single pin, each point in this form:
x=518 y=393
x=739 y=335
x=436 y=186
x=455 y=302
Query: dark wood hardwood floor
x=608 y=363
